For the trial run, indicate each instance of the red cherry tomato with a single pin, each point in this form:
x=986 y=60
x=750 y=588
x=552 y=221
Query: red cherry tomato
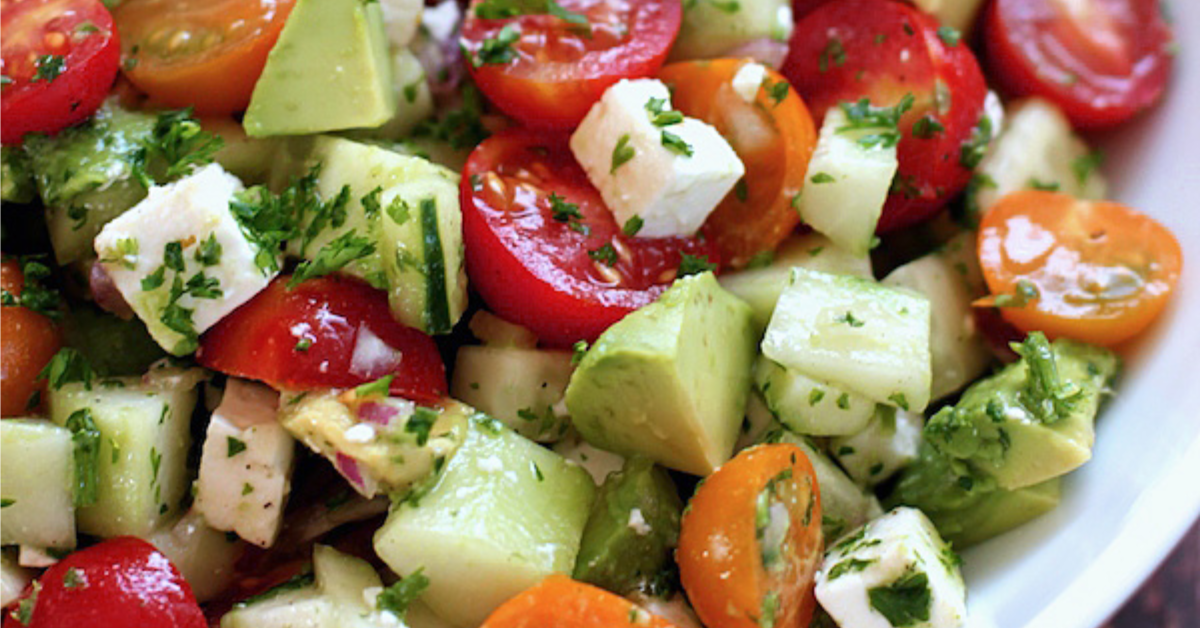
x=121 y=582
x=28 y=340
x=59 y=60
x=1102 y=61
x=884 y=50
x=556 y=70
x=567 y=279
x=305 y=338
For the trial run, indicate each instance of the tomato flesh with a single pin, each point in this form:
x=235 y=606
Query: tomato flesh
x=27 y=342
x=559 y=70
x=1102 y=61
x=205 y=54
x=750 y=542
x=123 y=581
x=59 y=59
x=304 y=338
x=1102 y=272
x=546 y=274
x=883 y=51
x=774 y=136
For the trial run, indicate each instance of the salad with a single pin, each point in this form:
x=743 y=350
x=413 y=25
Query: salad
x=720 y=314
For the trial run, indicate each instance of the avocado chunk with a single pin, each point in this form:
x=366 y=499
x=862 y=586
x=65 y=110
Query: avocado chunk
x=111 y=345
x=631 y=530
x=965 y=506
x=669 y=381
x=330 y=70
x=16 y=180
x=1032 y=421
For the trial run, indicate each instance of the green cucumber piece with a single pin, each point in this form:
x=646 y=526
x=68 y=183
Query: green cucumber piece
x=518 y=386
x=37 y=475
x=144 y=426
x=806 y=406
x=504 y=514
x=205 y=557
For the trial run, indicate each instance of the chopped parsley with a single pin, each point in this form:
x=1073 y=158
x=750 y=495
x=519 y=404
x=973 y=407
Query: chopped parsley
x=578 y=350
x=1084 y=165
x=905 y=602
x=632 y=226
x=849 y=319
x=694 y=265
x=209 y=251
x=504 y=9
x=1035 y=183
x=562 y=211
x=833 y=52
x=927 y=127
x=622 y=153
x=975 y=148
x=377 y=388
x=179 y=144
x=85 y=440
x=498 y=50
x=815 y=396
x=1024 y=293
x=340 y=252
x=882 y=122
x=850 y=565
x=234 y=446
x=49 y=67
x=34 y=294
x=461 y=127
x=66 y=367
x=949 y=35
x=770 y=609
x=900 y=400
x=396 y=598
x=822 y=177
x=777 y=92
x=676 y=145
x=605 y=254
x=5 y=502
x=421 y=423
x=1045 y=394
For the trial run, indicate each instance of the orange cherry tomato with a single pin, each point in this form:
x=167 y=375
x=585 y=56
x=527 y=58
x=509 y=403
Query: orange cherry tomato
x=751 y=541
x=205 y=54
x=564 y=603
x=774 y=136
x=1095 y=271
x=27 y=342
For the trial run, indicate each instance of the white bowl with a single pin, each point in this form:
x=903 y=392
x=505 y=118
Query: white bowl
x=1125 y=510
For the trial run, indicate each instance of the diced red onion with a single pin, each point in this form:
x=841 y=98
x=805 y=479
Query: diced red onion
x=767 y=51
x=348 y=467
x=380 y=413
x=373 y=358
x=105 y=292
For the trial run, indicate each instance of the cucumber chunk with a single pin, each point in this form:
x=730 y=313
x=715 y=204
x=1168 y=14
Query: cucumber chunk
x=13 y=578
x=37 y=473
x=144 y=426
x=853 y=333
x=504 y=514
x=205 y=557
x=521 y=387
x=848 y=184
x=714 y=28
x=807 y=406
x=761 y=287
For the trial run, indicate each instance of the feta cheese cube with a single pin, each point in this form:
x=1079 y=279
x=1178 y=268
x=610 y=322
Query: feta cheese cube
x=895 y=571
x=180 y=258
x=855 y=334
x=623 y=153
x=888 y=443
x=748 y=80
x=848 y=183
x=246 y=464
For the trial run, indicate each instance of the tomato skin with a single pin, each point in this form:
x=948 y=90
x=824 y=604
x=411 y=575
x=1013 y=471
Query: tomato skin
x=91 y=59
x=215 y=80
x=558 y=74
x=535 y=271
x=259 y=340
x=565 y=603
x=889 y=50
x=721 y=560
x=1103 y=272
x=1101 y=73
x=123 y=581
x=773 y=137
x=27 y=342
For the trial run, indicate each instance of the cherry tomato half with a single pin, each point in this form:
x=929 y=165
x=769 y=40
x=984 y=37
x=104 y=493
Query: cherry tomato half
x=1094 y=271
x=547 y=71
x=884 y=50
x=59 y=61
x=1102 y=61
x=773 y=135
x=751 y=543
x=560 y=267
x=27 y=342
x=123 y=581
x=306 y=337
x=205 y=54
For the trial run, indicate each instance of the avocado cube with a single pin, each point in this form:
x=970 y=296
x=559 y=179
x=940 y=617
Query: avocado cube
x=669 y=381
x=518 y=386
x=504 y=514
x=330 y=70
x=37 y=473
x=145 y=433
x=631 y=530
x=16 y=179
x=1032 y=421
